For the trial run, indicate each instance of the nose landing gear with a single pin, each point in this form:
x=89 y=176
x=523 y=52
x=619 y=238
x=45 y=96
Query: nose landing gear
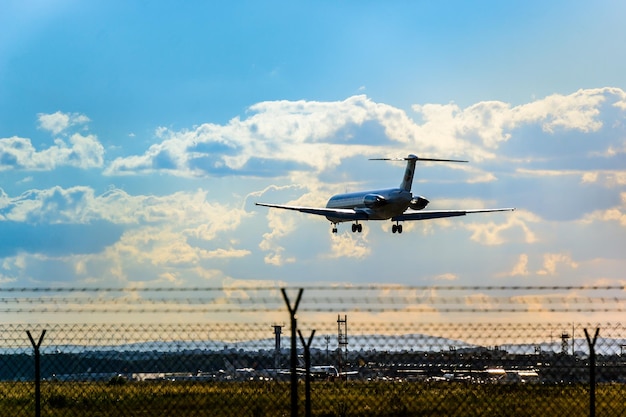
x=396 y=228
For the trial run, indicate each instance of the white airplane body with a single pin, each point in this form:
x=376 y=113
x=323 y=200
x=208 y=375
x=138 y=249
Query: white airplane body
x=395 y=204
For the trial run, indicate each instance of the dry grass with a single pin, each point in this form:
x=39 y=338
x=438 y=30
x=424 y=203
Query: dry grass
x=269 y=399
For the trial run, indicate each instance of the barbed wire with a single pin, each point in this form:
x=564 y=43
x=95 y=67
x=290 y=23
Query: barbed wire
x=361 y=298
x=334 y=287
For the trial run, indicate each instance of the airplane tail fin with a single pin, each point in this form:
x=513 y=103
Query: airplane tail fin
x=409 y=172
x=230 y=368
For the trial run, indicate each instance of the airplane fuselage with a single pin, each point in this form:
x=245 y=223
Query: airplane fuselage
x=374 y=205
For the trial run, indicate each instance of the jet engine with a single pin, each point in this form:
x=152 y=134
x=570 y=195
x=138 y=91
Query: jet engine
x=418 y=203
x=373 y=200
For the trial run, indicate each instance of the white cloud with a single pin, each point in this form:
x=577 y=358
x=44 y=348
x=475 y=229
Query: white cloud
x=552 y=264
x=58 y=122
x=55 y=122
x=189 y=212
x=311 y=135
x=612 y=151
x=449 y=123
x=275 y=256
x=6 y=280
x=521 y=268
x=447 y=277
x=550 y=172
x=160 y=238
x=280 y=225
x=85 y=151
x=224 y=253
x=577 y=111
x=491 y=233
x=283 y=223
x=614 y=214
x=82 y=152
x=607 y=178
x=54 y=205
x=493 y=121
x=347 y=245
x=553 y=260
x=164 y=247
x=317 y=135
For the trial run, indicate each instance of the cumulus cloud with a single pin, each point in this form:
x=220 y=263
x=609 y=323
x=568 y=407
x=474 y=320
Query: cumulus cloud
x=553 y=260
x=164 y=247
x=310 y=135
x=550 y=265
x=615 y=214
x=167 y=221
x=302 y=134
x=82 y=151
x=491 y=233
x=493 y=123
x=521 y=268
x=224 y=253
x=54 y=205
x=59 y=122
x=605 y=177
x=279 y=226
x=577 y=111
x=196 y=215
x=347 y=245
x=115 y=235
x=283 y=223
x=447 y=277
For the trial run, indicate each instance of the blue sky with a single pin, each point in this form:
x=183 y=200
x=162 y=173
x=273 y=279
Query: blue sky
x=136 y=136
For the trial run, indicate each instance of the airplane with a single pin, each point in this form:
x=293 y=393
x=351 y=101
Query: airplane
x=326 y=372
x=397 y=204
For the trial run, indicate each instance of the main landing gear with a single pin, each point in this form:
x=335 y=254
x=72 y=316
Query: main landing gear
x=357 y=227
x=396 y=228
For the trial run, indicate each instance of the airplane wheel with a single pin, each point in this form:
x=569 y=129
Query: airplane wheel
x=354 y=226
x=394 y=228
x=359 y=228
x=399 y=228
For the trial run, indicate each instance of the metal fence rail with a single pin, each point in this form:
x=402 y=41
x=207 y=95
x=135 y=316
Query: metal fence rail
x=359 y=352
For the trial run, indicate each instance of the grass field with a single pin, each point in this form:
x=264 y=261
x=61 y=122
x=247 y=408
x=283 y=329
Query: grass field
x=259 y=399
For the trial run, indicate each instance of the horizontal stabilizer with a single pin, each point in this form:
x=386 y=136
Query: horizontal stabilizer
x=417 y=158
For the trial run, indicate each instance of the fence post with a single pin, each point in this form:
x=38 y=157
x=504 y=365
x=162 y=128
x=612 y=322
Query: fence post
x=307 y=370
x=592 y=371
x=36 y=346
x=294 y=352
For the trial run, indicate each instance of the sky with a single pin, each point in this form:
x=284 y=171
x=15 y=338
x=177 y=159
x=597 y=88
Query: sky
x=135 y=138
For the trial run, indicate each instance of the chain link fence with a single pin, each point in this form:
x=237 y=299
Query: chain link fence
x=359 y=351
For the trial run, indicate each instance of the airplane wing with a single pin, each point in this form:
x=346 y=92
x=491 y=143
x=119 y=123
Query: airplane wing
x=438 y=214
x=345 y=214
